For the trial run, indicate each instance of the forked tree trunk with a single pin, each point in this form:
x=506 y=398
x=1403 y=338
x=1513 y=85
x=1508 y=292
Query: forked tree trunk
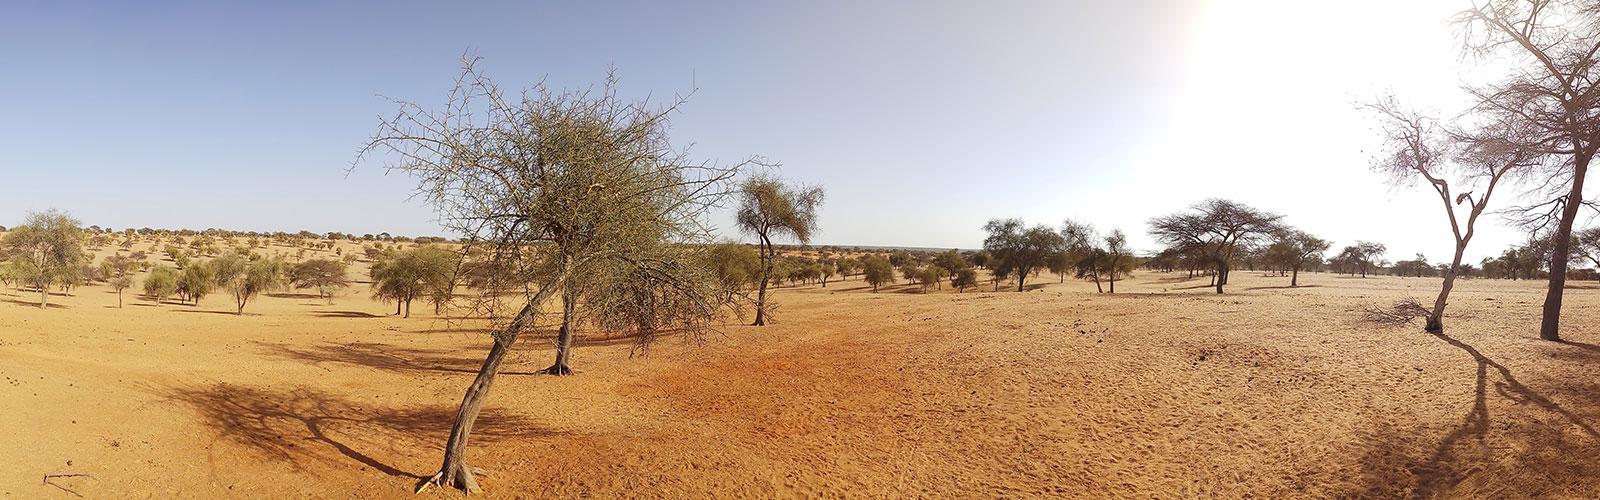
x=1221 y=277
x=569 y=309
x=455 y=472
x=1550 y=326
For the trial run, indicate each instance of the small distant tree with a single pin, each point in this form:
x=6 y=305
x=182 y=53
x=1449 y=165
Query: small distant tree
x=1119 y=259
x=928 y=277
x=877 y=271
x=160 y=284
x=326 y=276
x=119 y=272
x=1017 y=250
x=195 y=282
x=769 y=209
x=244 y=278
x=963 y=278
x=1215 y=228
x=1303 y=250
x=47 y=249
x=407 y=275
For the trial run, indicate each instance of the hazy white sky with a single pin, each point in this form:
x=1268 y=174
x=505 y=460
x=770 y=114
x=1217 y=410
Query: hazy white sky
x=921 y=119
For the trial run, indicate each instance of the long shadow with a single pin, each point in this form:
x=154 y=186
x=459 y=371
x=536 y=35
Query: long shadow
x=290 y=295
x=274 y=423
x=202 y=311
x=1434 y=474
x=1282 y=287
x=35 y=303
x=382 y=357
x=347 y=314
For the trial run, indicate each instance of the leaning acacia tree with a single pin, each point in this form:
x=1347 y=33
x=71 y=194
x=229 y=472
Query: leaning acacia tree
x=770 y=209
x=1418 y=148
x=574 y=193
x=1215 y=228
x=1552 y=91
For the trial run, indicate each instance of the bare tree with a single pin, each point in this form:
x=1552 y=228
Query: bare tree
x=1419 y=148
x=1551 y=90
x=770 y=209
x=574 y=190
x=1215 y=228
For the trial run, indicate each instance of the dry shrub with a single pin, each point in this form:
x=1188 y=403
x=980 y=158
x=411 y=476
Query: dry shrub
x=1401 y=313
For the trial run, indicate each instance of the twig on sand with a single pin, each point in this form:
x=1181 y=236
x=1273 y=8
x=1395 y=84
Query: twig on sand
x=48 y=477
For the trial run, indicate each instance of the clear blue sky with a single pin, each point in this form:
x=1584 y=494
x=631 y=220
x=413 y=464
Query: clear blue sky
x=921 y=119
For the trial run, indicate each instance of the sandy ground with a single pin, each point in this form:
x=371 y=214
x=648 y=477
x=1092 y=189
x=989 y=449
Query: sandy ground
x=1162 y=390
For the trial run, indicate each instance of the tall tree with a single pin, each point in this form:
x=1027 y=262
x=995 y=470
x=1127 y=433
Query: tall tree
x=1552 y=51
x=771 y=209
x=47 y=249
x=574 y=190
x=1018 y=250
x=1215 y=228
x=1417 y=148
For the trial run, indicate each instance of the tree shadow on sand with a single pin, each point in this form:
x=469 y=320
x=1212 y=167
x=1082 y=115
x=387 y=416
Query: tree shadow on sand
x=383 y=357
x=305 y=427
x=1501 y=456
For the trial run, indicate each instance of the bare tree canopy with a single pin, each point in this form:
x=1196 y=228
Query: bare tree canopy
x=1215 y=228
x=1418 y=148
x=1550 y=91
x=576 y=192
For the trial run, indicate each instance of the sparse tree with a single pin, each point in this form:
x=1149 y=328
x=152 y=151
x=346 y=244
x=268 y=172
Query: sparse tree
x=770 y=209
x=195 y=282
x=244 y=278
x=877 y=271
x=1419 y=148
x=413 y=273
x=571 y=193
x=1215 y=229
x=47 y=249
x=1017 y=250
x=326 y=276
x=160 y=284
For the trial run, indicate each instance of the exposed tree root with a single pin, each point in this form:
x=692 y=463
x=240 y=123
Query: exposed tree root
x=462 y=480
x=558 y=369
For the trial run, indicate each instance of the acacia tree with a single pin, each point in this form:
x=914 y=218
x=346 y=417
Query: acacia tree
x=1017 y=250
x=1552 y=51
x=327 y=276
x=876 y=271
x=118 y=270
x=1215 y=228
x=576 y=193
x=245 y=278
x=1299 y=249
x=1417 y=147
x=47 y=249
x=771 y=209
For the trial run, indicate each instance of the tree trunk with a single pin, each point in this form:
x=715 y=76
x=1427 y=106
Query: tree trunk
x=408 y=308
x=397 y=306
x=1436 y=319
x=1221 y=277
x=1550 y=327
x=569 y=309
x=455 y=472
x=44 y=296
x=1021 y=277
x=1113 y=288
x=1294 y=279
x=766 y=276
